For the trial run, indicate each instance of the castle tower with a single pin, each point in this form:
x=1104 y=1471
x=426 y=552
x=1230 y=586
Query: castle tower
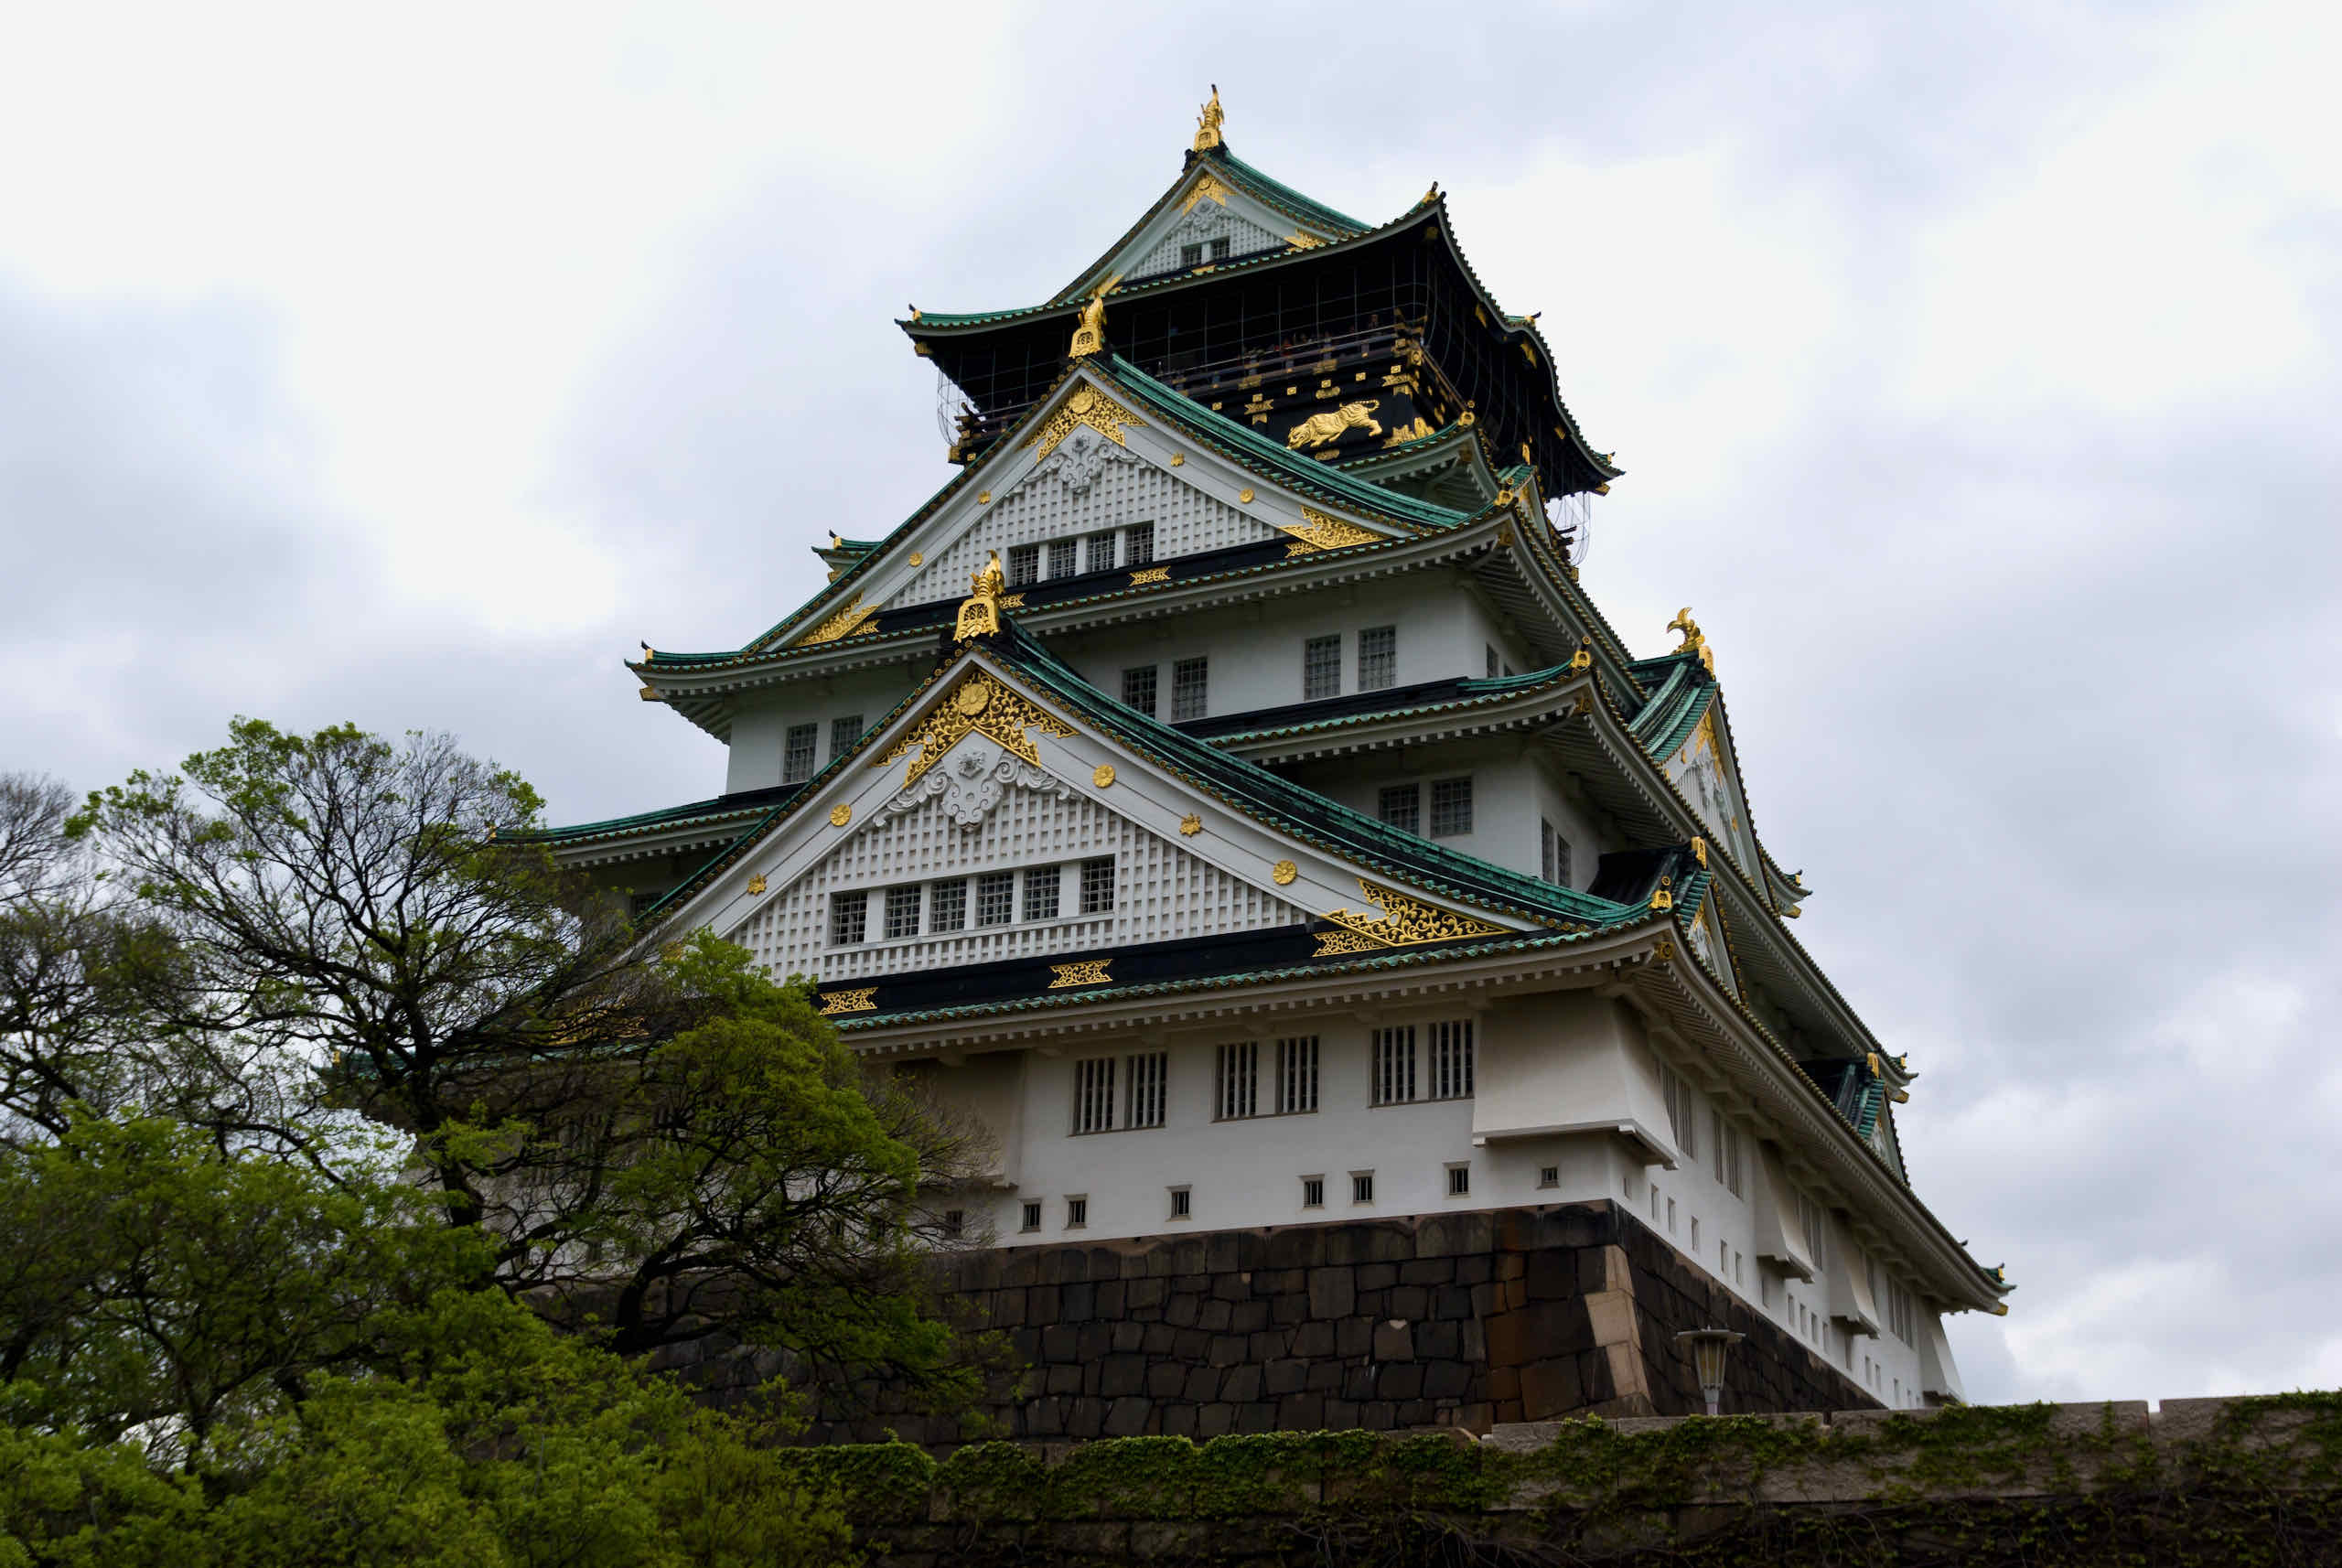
x=1227 y=791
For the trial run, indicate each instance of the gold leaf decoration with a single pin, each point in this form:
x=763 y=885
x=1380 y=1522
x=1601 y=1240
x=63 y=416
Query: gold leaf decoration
x=1088 y=406
x=976 y=704
x=1318 y=531
x=841 y=814
x=1245 y=495
x=1404 y=922
x=863 y=1000
x=1151 y=575
x=1087 y=971
x=1190 y=825
x=1282 y=873
x=1104 y=777
x=842 y=624
x=757 y=883
x=1207 y=189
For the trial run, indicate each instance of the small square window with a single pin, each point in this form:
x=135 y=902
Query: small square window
x=1459 y=1181
x=1077 y=1213
x=947 y=905
x=995 y=898
x=1313 y=1192
x=1032 y=1217
x=1138 y=544
x=1182 y=1203
x=1378 y=658
x=796 y=752
x=1401 y=805
x=1138 y=688
x=1041 y=885
x=1321 y=668
x=1548 y=1176
x=902 y=911
x=1190 y=683
x=1451 y=808
x=1219 y=248
x=1024 y=564
x=1192 y=255
x=1361 y=1186
x=1097 y=553
x=1098 y=886
x=1062 y=555
x=843 y=733
x=848 y=919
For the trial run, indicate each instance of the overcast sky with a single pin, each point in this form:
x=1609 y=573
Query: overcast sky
x=1975 y=372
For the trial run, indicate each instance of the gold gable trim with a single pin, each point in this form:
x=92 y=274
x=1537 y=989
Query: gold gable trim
x=1088 y=406
x=1322 y=533
x=976 y=704
x=843 y=624
x=1404 y=922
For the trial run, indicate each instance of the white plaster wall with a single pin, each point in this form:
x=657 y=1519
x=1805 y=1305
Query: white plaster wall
x=1206 y=221
x=760 y=724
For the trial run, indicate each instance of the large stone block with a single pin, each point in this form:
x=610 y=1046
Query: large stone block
x=1393 y=1342
x=1118 y=1376
x=1331 y=1293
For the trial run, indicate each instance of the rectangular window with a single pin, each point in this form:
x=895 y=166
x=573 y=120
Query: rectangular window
x=1297 y=1075
x=1219 y=248
x=1459 y=1181
x=1041 y=885
x=1732 y=1166
x=1138 y=544
x=995 y=898
x=1378 y=658
x=1321 y=668
x=1098 y=886
x=843 y=733
x=955 y=1223
x=1492 y=663
x=1401 y=805
x=1063 y=552
x=1555 y=852
x=796 y=752
x=848 y=919
x=1671 y=1217
x=947 y=905
x=1183 y=1203
x=1361 y=1186
x=1024 y=564
x=1722 y=1252
x=902 y=911
x=1313 y=1192
x=1097 y=553
x=1138 y=688
x=1451 y=808
x=1236 y=1081
x=1451 y=1060
x=1077 y=1213
x=1032 y=1217
x=1736 y=1268
x=1093 y=1095
x=1548 y=1176
x=1190 y=677
x=1695 y=1233
x=1683 y=1114
x=1192 y=255
x=1394 y=1064
x=1148 y=1073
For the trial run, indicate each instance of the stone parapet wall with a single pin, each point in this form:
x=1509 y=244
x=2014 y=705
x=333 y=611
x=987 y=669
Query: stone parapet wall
x=1465 y=1320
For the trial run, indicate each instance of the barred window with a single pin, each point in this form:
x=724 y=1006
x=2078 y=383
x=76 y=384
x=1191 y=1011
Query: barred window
x=1451 y=808
x=1041 y=883
x=1236 y=1082
x=995 y=898
x=1401 y=805
x=1097 y=553
x=1555 y=851
x=1394 y=1064
x=1138 y=544
x=1296 y=1075
x=1098 y=886
x=1459 y=1181
x=1149 y=1072
x=1032 y=1215
x=848 y=919
x=1183 y=1203
x=1451 y=1060
x=796 y=752
x=1192 y=255
x=902 y=911
x=1361 y=1186
x=1321 y=668
x=1378 y=658
x=1313 y=1192
x=1189 y=677
x=947 y=905
x=1024 y=564
x=843 y=733
x=1682 y=1112
x=1077 y=1213
x=1062 y=553
x=1138 y=688
x=1093 y=1095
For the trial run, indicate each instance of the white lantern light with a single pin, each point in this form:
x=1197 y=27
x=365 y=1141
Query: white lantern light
x=1708 y=1345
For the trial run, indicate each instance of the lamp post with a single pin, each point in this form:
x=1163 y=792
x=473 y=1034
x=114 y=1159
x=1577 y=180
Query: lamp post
x=1708 y=1345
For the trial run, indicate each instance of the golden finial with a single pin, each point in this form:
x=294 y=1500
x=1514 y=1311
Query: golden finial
x=1430 y=196
x=980 y=611
x=1662 y=898
x=1699 y=851
x=1208 y=123
x=1090 y=337
x=1584 y=657
x=1693 y=642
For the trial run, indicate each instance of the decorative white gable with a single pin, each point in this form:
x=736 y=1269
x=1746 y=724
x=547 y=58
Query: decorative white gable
x=1700 y=771
x=1208 y=208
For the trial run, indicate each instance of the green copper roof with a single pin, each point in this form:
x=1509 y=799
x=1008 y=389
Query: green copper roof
x=1284 y=195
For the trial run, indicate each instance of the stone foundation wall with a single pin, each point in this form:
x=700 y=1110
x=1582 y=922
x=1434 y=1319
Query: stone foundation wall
x=1463 y=1320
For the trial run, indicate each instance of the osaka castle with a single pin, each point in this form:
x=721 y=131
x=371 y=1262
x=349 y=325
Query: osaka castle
x=1226 y=792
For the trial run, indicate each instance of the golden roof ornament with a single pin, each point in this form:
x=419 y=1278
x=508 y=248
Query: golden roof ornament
x=1208 y=123
x=980 y=611
x=1090 y=337
x=1693 y=642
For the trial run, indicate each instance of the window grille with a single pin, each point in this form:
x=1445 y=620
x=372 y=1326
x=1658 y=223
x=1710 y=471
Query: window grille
x=1138 y=688
x=1093 y=1095
x=1032 y=1217
x=1459 y=1181
x=1077 y=1213
x=849 y=917
x=1041 y=884
x=1236 y=1081
x=1024 y=564
x=1361 y=1186
x=902 y=911
x=1394 y=1064
x=955 y=1223
x=796 y=752
x=1313 y=1192
x=1810 y=1222
x=1189 y=678
x=843 y=733
x=1451 y=1060
x=1219 y=248
x=1492 y=663
x=1321 y=668
x=1143 y=1103
x=1138 y=544
x=1098 y=886
x=1731 y=1162
x=1548 y=1176
x=1555 y=853
x=1097 y=553
x=1451 y=808
x=1378 y=658
x=947 y=905
x=1401 y=805
x=1181 y=1202
x=1192 y=255
x=1682 y=1112
x=995 y=899
x=1062 y=555
x=1297 y=1075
